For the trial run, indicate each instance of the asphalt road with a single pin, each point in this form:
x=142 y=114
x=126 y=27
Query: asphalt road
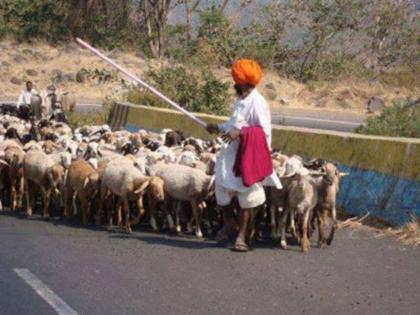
x=94 y=271
x=329 y=120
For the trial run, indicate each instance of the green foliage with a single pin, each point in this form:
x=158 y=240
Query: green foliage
x=204 y=93
x=399 y=120
x=28 y=19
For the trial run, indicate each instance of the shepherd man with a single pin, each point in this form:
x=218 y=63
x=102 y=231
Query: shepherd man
x=244 y=165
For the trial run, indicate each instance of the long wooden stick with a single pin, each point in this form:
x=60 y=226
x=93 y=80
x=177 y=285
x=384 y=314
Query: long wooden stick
x=140 y=81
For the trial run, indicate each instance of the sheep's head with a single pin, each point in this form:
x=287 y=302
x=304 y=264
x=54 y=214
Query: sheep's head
x=92 y=151
x=65 y=159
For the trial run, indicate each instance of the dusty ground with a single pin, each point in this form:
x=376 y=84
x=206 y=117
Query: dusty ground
x=41 y=63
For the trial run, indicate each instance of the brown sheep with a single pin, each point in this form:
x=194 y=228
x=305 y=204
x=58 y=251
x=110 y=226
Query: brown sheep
x=82 y=180
x=43 y=172
x=328 y=186
x=14 y=156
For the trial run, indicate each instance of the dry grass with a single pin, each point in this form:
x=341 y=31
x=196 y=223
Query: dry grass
x=408 y=234
x=44 y=59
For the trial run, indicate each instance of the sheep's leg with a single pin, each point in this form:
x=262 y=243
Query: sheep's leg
x=28 y=191
x=68 y=198
x=206 y=218
x=13 y=196
x=20 y=191
x=295 y=235
x=273 y=221
x=282 y=224
x=85 y=210
x=177 y=217
x=119 y=213
x=152 y=210
x=197 y=218
x=305 y=240
x=334 y=225
x=109 y=212
x=126 y=208
x=74 y=209
x=99 y=210
x=46 y=195
x=29 y=198
x=322 y=226
x=141 y=211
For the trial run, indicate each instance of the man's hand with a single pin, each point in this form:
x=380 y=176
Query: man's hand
x=213 y=128
x=232 y=135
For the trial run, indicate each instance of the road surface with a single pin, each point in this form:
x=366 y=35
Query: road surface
x=93 y=271
x=329 y=120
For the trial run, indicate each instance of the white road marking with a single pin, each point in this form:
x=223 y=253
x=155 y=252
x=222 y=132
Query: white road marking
x=46 y=293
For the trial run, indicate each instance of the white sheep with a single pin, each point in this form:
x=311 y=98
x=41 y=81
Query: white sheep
x=122 y=178
x=184 y=183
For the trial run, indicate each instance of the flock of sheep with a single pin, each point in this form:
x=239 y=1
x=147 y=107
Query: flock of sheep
x=106 y=176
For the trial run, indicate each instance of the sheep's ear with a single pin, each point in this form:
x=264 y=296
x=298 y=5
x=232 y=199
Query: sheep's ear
x=100 y=153
x=4 y=162
x=344 y=174
x=142 y=187
x=85 y=182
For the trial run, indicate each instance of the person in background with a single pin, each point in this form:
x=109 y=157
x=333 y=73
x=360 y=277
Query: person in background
x=249 y=111
x=49 y=101
x=26 y=95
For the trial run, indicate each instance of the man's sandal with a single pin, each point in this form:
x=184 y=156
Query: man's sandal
x=240 y=246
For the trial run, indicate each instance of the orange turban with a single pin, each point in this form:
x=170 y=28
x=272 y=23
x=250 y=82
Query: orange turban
x=246 y=71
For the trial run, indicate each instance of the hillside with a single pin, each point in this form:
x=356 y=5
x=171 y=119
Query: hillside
x=44 y=64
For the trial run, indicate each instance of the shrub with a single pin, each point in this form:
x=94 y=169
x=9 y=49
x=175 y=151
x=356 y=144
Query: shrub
x=204 y=93
x=399 y=120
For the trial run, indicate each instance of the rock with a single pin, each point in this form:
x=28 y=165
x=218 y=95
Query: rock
x=5 y=64
x=27 y=51
x=31 y=72
x=71 y=47
x=375 y=104
x=16 y=81
x=69 y=77
x=284 y=101
x=56 y=76
x=19 y=59
x=39 y=56
x=271 y=95
x=270 y=86
x=322 y=102
x=81 y=76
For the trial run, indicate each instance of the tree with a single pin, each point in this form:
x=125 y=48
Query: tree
x=394 y=34
x=154 y=15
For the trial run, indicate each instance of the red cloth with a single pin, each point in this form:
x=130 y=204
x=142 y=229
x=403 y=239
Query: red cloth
x=253 y=160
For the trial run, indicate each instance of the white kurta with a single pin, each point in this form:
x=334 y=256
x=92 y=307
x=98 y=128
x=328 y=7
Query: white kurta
x=251 y=111
x=25 y=97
